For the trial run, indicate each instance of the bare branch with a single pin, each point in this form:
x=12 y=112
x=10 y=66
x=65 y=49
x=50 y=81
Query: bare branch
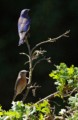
x=50 y=40
x=34 y=86
x=27 y=78
x=59 y=118
x=44 y=58
x=37 y=53
x=48 y=97
x=30 y=70
x=28 y=89
x=24 y=54
x=26 y=62
x=30 y=63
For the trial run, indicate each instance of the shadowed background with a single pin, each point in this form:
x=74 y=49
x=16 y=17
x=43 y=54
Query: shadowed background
x=49 y=18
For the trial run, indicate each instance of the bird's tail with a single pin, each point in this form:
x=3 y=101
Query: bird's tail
x=20 y=42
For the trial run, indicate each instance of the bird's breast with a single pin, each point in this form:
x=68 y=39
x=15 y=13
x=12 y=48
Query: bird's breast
x=21 y=85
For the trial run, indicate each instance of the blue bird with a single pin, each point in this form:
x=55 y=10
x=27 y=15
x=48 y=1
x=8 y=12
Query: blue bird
x=23 y=26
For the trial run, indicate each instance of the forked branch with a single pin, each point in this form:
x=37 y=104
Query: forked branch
x=34 y=54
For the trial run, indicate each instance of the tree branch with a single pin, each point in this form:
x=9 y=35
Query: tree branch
x=26 y=62
x=28 y=89
x=34 y=86
x=51 y=40
x=24 y=54
x=48 y=97
x=30 y=70
x=44 y=58
x=37 y=53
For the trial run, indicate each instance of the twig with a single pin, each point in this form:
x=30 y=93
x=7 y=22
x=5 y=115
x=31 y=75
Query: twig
x=28 y=89
x=48 y=97
x=27 y=78
x=31 y=87
x=51 y=40
x=44 y=58
x=71 y=92
x=38 y=62
x=37 y=53
x=26 y=62
x=59 y=118
x=24 y=54
x=34 y=87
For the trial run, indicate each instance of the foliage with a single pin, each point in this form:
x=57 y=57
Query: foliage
x=66 y=78
x=20 y=111
x=73 y=101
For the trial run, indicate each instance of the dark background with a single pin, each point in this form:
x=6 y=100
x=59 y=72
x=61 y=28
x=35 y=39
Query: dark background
x=49 y=18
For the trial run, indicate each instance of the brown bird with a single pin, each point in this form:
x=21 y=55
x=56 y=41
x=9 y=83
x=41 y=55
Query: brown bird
x=21 y=83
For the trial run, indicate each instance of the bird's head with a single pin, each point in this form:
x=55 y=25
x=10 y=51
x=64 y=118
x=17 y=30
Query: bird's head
x=23 y=73
x=24 y=12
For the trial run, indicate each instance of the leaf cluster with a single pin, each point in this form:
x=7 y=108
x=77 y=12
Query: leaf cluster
x=66 y=81
x=20 y=111
x=66 y=78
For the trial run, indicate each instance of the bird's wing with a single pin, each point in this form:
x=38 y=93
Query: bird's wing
x=17 y=82
x=27 y=26
x=23 y=24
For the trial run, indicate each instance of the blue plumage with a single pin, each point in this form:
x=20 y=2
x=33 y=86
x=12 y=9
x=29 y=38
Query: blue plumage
x=23 y=26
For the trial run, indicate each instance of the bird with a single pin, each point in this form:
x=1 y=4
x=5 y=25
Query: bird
x=23 y=26
x=20 y=84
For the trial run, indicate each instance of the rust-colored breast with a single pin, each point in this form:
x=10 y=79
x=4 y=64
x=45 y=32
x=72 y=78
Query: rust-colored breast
x=21 y=85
